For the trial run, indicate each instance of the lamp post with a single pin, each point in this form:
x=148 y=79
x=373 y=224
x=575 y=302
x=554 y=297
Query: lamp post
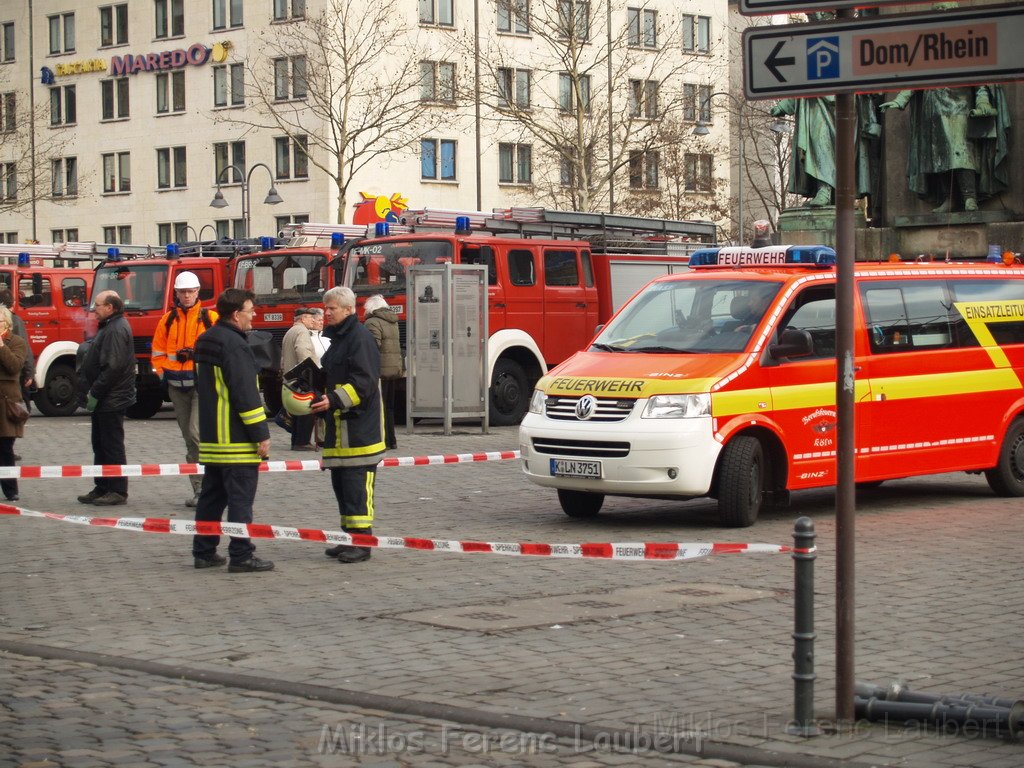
x=272 y=197
x=203 y=229
x=701 y=129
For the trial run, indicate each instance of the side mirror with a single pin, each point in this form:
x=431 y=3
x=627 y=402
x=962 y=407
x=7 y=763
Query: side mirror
x=794 y=343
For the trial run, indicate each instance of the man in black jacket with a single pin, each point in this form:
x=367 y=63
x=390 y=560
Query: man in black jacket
x=233 y=433
x=106 y=381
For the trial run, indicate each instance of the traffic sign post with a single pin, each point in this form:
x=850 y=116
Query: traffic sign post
x=979 y=45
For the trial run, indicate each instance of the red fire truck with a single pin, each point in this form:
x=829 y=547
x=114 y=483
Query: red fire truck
x=553 y=276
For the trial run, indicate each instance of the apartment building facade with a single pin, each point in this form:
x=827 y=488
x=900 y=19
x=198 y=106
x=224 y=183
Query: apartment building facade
x=122 y=121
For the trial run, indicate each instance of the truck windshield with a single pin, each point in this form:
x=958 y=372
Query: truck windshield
x=380 y=267
x=140 y=286
x=690 y=316
x=282 y=278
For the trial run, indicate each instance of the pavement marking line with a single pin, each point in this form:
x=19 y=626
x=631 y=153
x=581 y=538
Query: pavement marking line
x=307 y=465
x=642 y=551
x=623 y=737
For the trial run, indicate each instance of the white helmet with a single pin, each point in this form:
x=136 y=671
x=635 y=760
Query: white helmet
x=185 y=281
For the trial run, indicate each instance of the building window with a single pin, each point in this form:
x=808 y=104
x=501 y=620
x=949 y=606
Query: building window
x=64 y=235
x=568 y=99
x=117 y=172
x=696 y=33
x=280 y=222
x=574 y=20
x=643 y=170
x=514 y=87
x=704 y=103
x=231 y=229
x=437 y=81
x=437 y=159
x=697 y=172
x=170 y=168
x=172 y=232
x=114 y=25
x=118 y=235
x=63 y=106
x=227 y=14
x=643 y=98
x=8 y=112
x=437 y=12
x=8 y=181
x=291 y=159
x=9 y=237
x=514 y=16
x=289 y=9
x=114 y=98
x=290 y=78
x=226 y=155
x=169 y=19
x=62 y=33
x=7 y=41
x=643 y=28
x=229 y=85
x=170 y=92
x=515 y=163
x=64 y=177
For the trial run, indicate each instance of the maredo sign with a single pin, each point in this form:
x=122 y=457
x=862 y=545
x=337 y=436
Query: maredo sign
x=195 y=55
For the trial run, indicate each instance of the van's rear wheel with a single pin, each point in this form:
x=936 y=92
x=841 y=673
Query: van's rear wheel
x=580 y=503
x=510 y=394
x=1007 y=477
x=58 y=396
x=741 y=477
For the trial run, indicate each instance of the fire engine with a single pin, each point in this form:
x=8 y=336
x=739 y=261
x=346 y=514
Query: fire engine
x=722 y=382
x=553 y=277
x=50 y=287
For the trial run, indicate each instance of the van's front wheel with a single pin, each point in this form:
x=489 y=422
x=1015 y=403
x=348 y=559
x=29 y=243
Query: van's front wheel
x=741 y=478
x=1007 y=477
x=580 y=503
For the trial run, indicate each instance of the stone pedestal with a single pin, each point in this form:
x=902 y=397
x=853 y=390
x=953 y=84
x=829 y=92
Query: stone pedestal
x=811 y=226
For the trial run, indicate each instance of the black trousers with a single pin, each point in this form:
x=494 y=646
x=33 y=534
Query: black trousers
x=302 y=430
x=9 y=487
x=232 y=487
x=108 y=448
x=353 y=487
x=388 y=390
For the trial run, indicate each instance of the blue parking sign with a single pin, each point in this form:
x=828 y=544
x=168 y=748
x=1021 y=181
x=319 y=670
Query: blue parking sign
x=823 y=58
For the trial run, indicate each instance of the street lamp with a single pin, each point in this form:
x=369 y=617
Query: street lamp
x=701 y=129
x=272 y=197
x=203 y=229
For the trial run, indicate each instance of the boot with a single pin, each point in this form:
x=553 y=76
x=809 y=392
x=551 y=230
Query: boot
x=348 y=553
x=823 y=198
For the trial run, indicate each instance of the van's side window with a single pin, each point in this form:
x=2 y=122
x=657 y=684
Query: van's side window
x=520 y=268
x=481 y=255
x=588 y=270
x=814 y=311
x=972 y=291
x=908 y=315
x=560 y=268
x=35 y=291
x=74 y=292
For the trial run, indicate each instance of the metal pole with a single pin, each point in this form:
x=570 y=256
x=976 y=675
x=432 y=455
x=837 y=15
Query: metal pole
x=476 y=98
x=611 y=124
x=803 y=630
x=32 y=118
x=845 y=375
x=739 y=185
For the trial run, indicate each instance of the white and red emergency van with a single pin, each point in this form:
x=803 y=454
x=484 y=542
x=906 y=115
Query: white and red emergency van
x=722 y=382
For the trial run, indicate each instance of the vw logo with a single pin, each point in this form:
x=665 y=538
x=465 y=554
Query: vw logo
x=585 y=407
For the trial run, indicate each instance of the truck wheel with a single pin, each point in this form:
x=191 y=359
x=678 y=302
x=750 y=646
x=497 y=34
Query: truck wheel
x=580 y=503
x=741 y=477
x=510 y=394
x=147 y=402
x=1007 y=477
x=59 y=395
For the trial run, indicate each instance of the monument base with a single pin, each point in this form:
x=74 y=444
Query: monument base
x=812 y=226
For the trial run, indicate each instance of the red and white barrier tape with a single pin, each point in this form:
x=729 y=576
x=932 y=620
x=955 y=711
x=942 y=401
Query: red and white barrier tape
x=606 y=551
x=155 y=470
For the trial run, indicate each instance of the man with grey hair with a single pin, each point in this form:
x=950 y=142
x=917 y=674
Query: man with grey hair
x=354 y=439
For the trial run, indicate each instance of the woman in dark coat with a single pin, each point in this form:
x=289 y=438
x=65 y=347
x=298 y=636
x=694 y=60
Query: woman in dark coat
x=13 y=352
x=383 y=324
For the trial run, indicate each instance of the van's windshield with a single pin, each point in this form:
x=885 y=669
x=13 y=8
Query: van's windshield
x=690 y=316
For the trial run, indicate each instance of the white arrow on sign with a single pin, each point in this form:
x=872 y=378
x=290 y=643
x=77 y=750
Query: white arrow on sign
x=979 y=45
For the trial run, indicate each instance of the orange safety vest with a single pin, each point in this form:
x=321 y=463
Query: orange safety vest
x=175 y=338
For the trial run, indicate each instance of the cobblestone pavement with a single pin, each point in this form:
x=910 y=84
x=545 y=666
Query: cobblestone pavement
x=938 y=606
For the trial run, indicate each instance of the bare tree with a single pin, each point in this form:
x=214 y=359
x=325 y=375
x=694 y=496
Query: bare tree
x=597 y=93
x=351 y=80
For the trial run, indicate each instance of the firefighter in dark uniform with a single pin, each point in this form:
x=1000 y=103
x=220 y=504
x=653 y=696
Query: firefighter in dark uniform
x=233 y=433
x=354 y=432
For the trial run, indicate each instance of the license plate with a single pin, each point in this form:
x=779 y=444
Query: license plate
x=575 y=468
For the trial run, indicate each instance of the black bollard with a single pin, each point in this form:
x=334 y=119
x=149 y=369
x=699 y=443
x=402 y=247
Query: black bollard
x=803 y=630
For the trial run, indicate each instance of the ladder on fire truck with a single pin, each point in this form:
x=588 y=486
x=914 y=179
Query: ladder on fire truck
x=605 y=232
x=73 y=254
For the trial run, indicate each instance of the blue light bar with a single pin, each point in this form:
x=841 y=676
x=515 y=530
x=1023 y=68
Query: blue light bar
x=462 y=225
x=24 y=259
x=114 y=254
x=770 y=256
x=173 y=249
x=337 y=239
x=381 y=229
x=267 y=243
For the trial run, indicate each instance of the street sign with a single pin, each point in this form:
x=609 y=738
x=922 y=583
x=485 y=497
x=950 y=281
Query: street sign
x=771 y=7
x=885 y=53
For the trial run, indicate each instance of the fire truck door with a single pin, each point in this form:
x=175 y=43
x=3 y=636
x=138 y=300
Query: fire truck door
x=570 y=306
x=35 y=297
x=523 y=300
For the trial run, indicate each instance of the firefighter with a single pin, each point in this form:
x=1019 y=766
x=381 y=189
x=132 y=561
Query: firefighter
x=354 y=434
x=174 y=346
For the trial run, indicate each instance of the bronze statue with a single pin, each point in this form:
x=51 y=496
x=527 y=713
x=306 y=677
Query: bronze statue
x=812 y=167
